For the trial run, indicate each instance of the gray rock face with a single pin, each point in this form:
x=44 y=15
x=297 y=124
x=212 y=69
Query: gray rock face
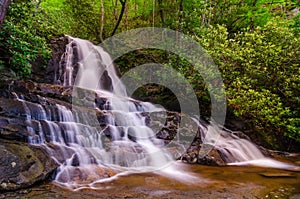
x=22 y=165
x=58 y=49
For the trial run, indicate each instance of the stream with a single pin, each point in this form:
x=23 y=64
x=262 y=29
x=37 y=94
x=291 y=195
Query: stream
x=210 y=182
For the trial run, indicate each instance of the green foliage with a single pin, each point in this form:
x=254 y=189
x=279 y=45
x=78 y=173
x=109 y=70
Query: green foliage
x=293 y=128
x=85 y=18
x=23 y=37
x=256 y=46
x=57 y=16
x=236 y=15
x=194 y=78
x=261 y=72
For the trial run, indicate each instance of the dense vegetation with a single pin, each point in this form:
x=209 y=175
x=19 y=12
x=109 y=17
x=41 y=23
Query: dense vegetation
x=254 y=43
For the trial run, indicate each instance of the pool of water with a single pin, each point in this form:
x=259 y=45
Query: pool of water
x=199 y=182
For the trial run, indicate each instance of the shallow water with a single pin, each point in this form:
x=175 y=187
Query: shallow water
x=206 y=182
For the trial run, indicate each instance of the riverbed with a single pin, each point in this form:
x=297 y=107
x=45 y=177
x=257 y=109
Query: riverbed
x=200 y=182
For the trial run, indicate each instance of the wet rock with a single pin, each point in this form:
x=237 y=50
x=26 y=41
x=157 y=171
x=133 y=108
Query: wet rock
x=13 y=108
x=241 y=135
x=29 y=91
x=104 y=118
x=191 y=156
x=75 y=161
x=106 y=82
x=102 y=103
x=207 y=156
x=13 y=129
x=165 y=134
x=58 y=48
x=87 y=174
x=172 y=125
x=212 y=158
x=22 y=165
x=169 y=125
x=278 y=175
x=273 y=153
x=19 y=86
x=281 y=192
x=61 y=153
x=3 y=122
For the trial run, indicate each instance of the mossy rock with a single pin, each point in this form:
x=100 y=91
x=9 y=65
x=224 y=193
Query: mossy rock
x=22 y=165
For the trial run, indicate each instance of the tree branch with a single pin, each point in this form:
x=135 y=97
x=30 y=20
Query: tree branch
x=4 y=4
x=123 y=3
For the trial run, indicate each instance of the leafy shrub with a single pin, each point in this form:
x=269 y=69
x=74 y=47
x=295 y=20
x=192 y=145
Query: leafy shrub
x=261 y=73
x=23 y=37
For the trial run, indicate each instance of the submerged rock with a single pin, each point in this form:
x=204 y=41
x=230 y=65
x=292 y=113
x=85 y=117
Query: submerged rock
x=84 y=175
x=22 y=165
x=278 y=175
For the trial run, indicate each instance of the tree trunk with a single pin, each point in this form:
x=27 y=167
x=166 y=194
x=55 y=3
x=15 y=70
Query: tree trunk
x=153 y=13
x=162 y=17
x=4 y=4
x=102 y=20
x=252 y=17
x=115 y=13
x=180 y=13
x=209 y=17
x=38 y=3
x=203 y=18
x=123 y=3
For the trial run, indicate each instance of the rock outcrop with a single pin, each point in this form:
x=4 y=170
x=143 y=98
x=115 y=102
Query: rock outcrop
x=22 y=165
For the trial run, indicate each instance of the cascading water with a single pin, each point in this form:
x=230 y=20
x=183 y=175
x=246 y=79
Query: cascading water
x=86 y=150
x=108 y=130
x=239 y=151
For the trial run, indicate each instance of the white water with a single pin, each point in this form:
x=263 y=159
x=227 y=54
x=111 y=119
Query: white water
x=133 y=146
x=84 y=149
x=238 y=151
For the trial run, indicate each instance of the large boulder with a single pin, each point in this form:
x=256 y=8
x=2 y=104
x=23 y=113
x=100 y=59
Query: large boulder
x=22 y=165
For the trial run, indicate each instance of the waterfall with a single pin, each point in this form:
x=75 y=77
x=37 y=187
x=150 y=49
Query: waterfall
x=123 y=142
x=239 y=150
x=107 y=129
